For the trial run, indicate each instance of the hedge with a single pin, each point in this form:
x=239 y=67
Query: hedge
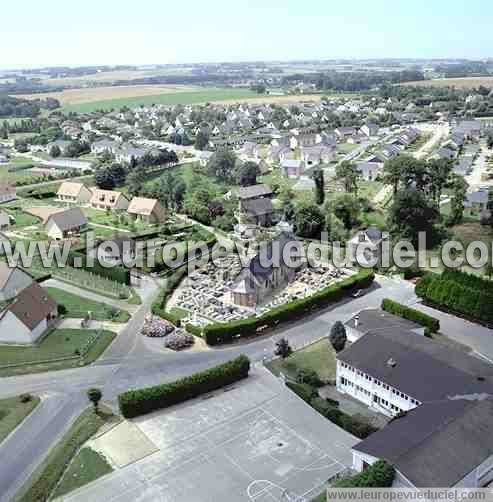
x=459 y=293
x=139 y=402
x=378 y=475
x=218 y=333
x=118 y=274
x=331 y=412
x=410 y=314
x=159 y=306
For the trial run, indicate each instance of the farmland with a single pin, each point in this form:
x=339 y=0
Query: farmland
x=87 y=100
x=461 y=83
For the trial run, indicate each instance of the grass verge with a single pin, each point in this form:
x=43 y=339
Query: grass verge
x=13 y=411
x=88 y=465
x=44 y=480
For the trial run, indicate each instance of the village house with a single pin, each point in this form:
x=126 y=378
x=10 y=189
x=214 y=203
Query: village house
x=255 y=205
x=66 y=223
x=370 y=242
x=256 y=283
x=28 y=316
x=129 y=153
x=320 y=154
x=369 y=170
x=7 y=192
x=109 y=199
x=370 y=130
x=12 y=281
x=62 y=144
x=105 y=146
x=204 y=157
x=74 y=192
x=292 y=168
x=477 y=200
x=148 y=210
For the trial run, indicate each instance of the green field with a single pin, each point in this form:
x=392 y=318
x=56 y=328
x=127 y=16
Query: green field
x=87 y=466
x=77 y=307
x=180 y=98
x=58 y=343
x=12 y=412
x=319 y=357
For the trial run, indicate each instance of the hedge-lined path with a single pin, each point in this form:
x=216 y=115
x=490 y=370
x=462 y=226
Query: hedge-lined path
x=70 y=288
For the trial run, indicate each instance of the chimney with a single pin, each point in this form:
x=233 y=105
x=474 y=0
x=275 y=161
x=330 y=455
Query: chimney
x=391 y=363
x=356 y=320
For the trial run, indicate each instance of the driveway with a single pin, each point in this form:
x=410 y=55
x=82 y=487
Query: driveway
x=251 y=442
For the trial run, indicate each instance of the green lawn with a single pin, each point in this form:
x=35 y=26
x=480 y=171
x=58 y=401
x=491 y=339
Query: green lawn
x=58 y=343
x=42 y=483
x=111 y=219
x=87 y=466
x=346 y=147
x=22 y=219
x=319 y=356
x=78 y=307
x=183 y=98
x=12 y=412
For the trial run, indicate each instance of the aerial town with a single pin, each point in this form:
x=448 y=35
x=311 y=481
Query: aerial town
x=166 y=359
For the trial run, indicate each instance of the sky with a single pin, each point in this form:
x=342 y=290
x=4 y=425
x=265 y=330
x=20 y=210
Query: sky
x=99 y=32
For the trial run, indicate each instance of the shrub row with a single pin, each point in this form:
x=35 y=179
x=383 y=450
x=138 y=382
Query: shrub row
x=118 y=274
x=331 y=412
x=469 y=280
x=378 y=475
x=410 y=314
x=159 y=306
x=139 y=402
x=458 y=296
x=218 y=333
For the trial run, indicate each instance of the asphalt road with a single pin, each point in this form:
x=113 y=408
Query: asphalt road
x=130 y=363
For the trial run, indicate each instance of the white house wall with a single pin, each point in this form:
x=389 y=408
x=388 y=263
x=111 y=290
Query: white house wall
x=14 y=331
x=364 y=387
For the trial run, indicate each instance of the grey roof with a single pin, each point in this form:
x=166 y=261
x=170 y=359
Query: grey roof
x=71 y=218
x=436 y=444
x=257 y=207
x=424 y=369
x=373 y=233
x=254 y=191
x=377 y=320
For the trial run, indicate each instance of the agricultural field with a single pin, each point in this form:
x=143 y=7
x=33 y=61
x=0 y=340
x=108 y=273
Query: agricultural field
x=91 y=99
x=461 y=83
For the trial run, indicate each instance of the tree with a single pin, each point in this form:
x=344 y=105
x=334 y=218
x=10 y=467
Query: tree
x=318 y=178
x=392 y=172
x=439 y=170
x=346 y=208
x=338 y=336
x=349 y=175
x=489 y=138
x=247 y=174
x=201 y=140
x=55 y=151
x=104 y=179
x=412 y=212
x=283 y=349
x=94 y=395
x=309 y=220
x=222 y=164
x=459 y=187
x=136 y=180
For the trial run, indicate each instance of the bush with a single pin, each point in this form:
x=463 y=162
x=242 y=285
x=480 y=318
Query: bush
x=308 y=376
x=305 y=391
x=459 y=293
x=218 y=333
x=25 y=398
x=425 y=320
x=61 y=309
x=138 y=402
x=159 y=306
x=179 y=341
x=378 y=475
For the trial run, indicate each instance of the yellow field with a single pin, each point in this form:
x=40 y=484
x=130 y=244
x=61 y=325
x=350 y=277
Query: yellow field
x=274 y=99
x=463 y=83
x=104 y=76
x=93 y=94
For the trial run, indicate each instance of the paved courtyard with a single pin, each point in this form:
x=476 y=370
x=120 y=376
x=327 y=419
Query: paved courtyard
x=254 y=442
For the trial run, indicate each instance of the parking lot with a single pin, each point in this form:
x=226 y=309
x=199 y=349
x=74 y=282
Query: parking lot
x=254 y=442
